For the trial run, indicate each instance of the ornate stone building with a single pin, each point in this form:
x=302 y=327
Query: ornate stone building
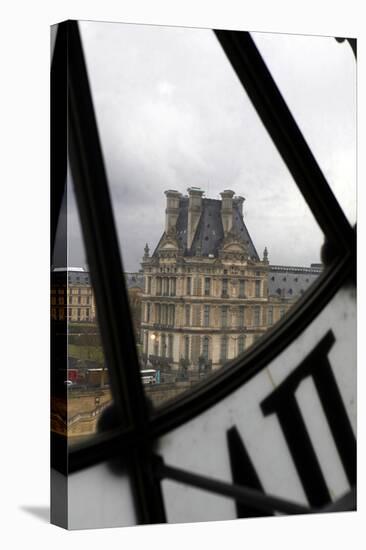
x=72 y=297
x=206 y=289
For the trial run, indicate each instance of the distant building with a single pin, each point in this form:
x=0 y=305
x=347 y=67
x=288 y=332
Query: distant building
x=134 y=279
x=208 y=295
x=72 y=297
x=289 y=281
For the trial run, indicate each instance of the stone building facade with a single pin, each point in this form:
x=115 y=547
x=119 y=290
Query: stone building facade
x=72 y=296
x=206 y=296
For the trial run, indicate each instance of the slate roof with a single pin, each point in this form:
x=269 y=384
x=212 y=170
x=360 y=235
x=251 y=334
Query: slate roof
x=78 y=276
x=134 y=280
x=290 y=282
x=74 y=275
x=210 y=232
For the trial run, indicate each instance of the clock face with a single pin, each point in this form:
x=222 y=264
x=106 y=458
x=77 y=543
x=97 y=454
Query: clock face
x=216 y=380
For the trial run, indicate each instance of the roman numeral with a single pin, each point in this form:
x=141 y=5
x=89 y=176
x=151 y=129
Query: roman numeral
x=282 y=402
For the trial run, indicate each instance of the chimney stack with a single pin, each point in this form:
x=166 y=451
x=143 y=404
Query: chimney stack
x=238 y=202
x=172 y=209
x=194 y=212
x=227 y=210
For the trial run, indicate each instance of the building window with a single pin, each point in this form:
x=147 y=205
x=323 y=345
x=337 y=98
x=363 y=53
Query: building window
x=224 y=288
x=257 y=289
x=171 y=317
x=148 y=312
x=165 y=286
x=206 y=316
x=270 y=315
x=146 y=342
x=148 y=289
x=241 y=288
x=164 y=312
x=157 y=313
x=224 y=311
x=282 y=312
x=257 y=312
x=156 y=345
x=207 y=286
x=197 y=286
x=158 y=286
x=172 y=287
x=79 y=314
x=223 y=348
x=205 y=347
x=189 y=283
x=187 y=321
x=241 y=316
x=163 y=345
x=170 y=346
x=186 y=347
x=241 y=344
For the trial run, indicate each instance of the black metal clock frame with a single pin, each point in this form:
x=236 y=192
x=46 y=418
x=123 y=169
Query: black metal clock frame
x=74 y=136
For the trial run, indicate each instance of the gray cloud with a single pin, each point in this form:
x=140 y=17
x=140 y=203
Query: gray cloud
x=172 y=114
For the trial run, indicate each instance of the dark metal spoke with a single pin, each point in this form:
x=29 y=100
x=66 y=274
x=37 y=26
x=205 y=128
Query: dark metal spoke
x=287 y=137
x=245 y=495
x=101 y=244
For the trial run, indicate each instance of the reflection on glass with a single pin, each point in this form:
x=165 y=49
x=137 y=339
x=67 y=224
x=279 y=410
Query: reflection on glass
x=206 y=276
x=317 y=77
x=81 y=393
x=85 y=375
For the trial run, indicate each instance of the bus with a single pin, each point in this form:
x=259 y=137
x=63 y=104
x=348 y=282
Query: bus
x=150 y=376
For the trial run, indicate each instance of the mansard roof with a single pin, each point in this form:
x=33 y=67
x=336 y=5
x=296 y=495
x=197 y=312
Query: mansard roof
x=291 y=281
x=210 y=232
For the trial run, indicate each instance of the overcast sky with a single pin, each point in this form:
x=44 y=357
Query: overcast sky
x=172 y=114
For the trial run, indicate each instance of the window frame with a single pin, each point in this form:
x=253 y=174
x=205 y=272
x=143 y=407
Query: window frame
x=98 y=227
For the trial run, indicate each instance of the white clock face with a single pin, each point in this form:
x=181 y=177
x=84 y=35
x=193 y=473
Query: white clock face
x=221 y=354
